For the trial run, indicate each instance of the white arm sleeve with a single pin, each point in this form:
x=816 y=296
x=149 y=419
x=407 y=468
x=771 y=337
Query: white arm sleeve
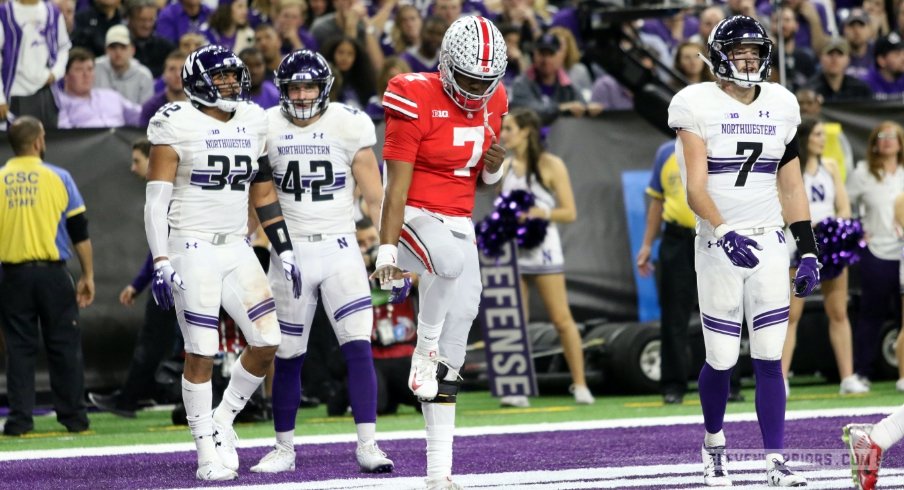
x=156 y=207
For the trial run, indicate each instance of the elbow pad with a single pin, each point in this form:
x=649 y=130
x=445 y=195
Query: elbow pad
x=156 y=208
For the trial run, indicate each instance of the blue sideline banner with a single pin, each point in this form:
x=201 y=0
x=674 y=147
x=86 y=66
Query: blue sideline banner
x=510 y=366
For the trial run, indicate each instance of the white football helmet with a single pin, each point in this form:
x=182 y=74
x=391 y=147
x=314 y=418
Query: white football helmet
x=473 y=47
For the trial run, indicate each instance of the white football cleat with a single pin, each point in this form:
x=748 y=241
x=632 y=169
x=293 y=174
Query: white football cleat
x=276 y=461
x=422 y=378
x=582 y=395
x=215 y=471
x=714 y=472
x=224 y=438
x=443 y=484
x=516 y=401
x=780 y=476
x=371 y=459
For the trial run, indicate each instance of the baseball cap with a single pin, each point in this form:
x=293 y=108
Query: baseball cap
x=118 y=34
x=887 y=44
x=547 y=42
x=857 y=15
x=839 y=44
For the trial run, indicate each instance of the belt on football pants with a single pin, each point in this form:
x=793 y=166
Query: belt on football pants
x=213 y=238
x=761 y=230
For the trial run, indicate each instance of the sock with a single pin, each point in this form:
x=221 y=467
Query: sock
x=286 y=440
x=198 y=399
x=286 y=394
x=889 y=430
x=770 y=403
x=713 y=386
x=242 y=385
x=362 y=381
x=427 y=337
x=366 y=432
x=714 y=440
x=440 y=418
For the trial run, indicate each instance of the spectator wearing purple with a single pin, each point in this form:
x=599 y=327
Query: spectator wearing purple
x=182 y=17
x=886 y=78
x=263 y=92
x=266 y=40
x=150 y=49
x=357 y=80
x=33 y=53
x=425 y=56
x=812 y=20
x=567 y=17
x=289 y=23
x=119 y=71
x=859 y=34
x=228 y=26
x=392 y=66
x=92 y=24
x=832 y=83
x=672 y=30
x=172 y=92
x=546 y=88
x=82 y=106
x=451 y=10
x=518 y=61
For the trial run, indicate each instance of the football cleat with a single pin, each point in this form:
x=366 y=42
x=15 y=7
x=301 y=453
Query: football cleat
x=516 y=401
x=276 y=461
x=714 y=472
x=443 y=484
x=215 y=471
x=371 y=459
x=224 y=438
x=422 y=378
x=780 y=476
x=866 y=456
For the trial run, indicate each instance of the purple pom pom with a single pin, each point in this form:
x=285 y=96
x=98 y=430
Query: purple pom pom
x=840 y=242
x=502 y=225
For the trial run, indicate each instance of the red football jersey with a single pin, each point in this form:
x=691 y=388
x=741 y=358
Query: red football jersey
x=444 y=142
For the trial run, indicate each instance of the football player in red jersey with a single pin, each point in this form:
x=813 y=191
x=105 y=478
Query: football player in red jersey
x=440 y=139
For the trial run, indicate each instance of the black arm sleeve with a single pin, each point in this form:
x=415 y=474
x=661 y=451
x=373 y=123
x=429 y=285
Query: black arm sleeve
x=792 y=151
x=77 y=227
x=264 y=171
x=278 y=234
x=803 y=236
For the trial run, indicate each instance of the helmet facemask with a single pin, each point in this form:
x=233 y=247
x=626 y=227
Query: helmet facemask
x=727 y=68
x=239 y=90
x=305 y=108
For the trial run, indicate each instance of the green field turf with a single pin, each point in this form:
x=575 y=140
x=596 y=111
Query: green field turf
x=474 y=409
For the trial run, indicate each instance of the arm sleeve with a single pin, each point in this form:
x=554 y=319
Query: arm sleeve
x=156 y=209
x=143 y=278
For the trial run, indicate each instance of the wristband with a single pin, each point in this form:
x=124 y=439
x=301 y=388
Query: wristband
x=721 y=230
x=491 y=178
x=803 y=236
x=278 y=234
x=386 y=255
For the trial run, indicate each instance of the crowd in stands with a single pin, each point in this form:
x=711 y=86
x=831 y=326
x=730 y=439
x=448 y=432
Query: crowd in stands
x=109 y=63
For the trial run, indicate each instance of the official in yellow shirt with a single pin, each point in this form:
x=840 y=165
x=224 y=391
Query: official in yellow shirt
x=42 y=211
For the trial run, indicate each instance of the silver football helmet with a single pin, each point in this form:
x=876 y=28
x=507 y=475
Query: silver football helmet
x=473 y=47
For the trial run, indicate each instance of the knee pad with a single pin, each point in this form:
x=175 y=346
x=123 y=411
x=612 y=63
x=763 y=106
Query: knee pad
x=434 y=246
x=448 y=389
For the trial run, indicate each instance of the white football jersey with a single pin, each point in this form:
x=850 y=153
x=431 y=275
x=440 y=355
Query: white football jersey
x=312 y=167
x=744 y=146
x=217 y=164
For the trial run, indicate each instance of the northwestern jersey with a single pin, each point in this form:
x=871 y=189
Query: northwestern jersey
x=820 y=193
x=744 y=147
x=444 y=142
x=218 y=161
x=313 y=167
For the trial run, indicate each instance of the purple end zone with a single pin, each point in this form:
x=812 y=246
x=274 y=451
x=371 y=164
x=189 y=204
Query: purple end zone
x=659 y=445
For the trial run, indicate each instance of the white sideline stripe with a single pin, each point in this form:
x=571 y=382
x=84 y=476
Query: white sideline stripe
x=393 y=95
x=459 y=432
x=664 y=476
x=399 y=109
